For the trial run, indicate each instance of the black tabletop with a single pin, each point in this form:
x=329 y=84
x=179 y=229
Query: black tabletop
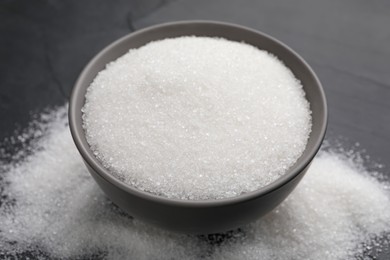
x=44 y=44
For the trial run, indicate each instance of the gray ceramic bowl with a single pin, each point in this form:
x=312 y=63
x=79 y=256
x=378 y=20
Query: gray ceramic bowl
x=207 y=216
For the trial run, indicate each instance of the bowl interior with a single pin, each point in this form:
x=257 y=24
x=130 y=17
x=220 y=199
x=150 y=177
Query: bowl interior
x=311 y=85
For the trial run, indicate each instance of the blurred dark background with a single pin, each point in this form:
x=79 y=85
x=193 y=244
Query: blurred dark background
x=44 y=45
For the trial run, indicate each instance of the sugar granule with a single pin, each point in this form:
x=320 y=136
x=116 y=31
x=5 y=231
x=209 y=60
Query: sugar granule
x=197 y=118
x=51 y=207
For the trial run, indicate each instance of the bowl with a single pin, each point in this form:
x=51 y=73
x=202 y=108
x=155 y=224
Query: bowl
x=206 y=216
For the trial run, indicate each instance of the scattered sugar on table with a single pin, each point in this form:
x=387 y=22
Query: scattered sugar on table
x=51 y=207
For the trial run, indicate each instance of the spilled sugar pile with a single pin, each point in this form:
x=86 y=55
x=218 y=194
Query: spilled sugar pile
x=181 y=108
x=51 y=207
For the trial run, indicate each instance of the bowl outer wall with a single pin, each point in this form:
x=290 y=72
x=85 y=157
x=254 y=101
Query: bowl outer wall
x=215 y=215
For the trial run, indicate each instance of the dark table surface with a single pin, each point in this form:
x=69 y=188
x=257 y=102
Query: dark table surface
x=44 y=44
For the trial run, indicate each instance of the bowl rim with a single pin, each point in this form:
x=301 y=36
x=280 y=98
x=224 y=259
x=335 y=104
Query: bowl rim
x=93 y=162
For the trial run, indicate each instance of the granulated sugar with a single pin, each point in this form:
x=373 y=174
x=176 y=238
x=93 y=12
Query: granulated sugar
x=51 y=207
x=197 y=118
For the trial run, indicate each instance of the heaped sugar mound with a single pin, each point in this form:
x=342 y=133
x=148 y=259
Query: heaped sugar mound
x=197 y=118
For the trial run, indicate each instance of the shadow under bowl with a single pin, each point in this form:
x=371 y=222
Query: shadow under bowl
x=207 y=216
